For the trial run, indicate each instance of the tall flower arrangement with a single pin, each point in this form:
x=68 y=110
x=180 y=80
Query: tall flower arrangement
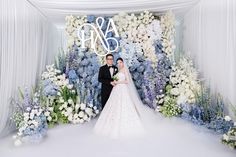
x=29 y=119
x=184 y=80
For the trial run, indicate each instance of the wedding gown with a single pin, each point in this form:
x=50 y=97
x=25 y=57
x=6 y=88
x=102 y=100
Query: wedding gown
x=120 y=117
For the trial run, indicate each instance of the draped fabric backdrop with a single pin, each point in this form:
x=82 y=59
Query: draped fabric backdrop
x=28 y=42
x=210 y=38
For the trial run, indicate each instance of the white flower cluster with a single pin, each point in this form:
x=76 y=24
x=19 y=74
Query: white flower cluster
x=184 y=81
x=50 y=73
x=168 y=33
x=126 y=22
x=72 y=23
x=49 y=109
x=31 y=121
x=229 y=138
x=77 y=112
x=142 y=29
x=54 y=75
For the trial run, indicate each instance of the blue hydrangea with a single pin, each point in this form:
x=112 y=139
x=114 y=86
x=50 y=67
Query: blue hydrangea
x=91 y=18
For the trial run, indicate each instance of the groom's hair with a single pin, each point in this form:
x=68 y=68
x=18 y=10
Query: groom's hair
x=109 y=55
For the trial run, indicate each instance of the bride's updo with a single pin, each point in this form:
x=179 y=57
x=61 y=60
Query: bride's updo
x=119 y=59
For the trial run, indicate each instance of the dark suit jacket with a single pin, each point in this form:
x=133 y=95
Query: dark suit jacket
x=105 y=78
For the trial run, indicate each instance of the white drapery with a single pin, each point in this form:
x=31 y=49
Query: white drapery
x=56 y=10
x=28 y=42
x=210 y=38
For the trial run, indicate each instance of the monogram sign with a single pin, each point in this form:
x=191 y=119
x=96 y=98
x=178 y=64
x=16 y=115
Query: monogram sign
x=96 y=33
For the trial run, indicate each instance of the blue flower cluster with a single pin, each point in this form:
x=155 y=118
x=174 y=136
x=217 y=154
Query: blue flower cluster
x=82 y=71
x=49 y=88
x=206 y=117
x=163 y=69
x=141 y=70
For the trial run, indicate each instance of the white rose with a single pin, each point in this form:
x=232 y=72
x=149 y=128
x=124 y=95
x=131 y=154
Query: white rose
x=70 y=86
x=85 y=117
x=76 y=115
x=47 y=113
x=82 y=106
x=225 y=137
x=89 y=111
x=36 y=124
x=49 y=118
x=81 y=114
x=227 y=118
x=31 y=115
x=26 y=114
x=70 y=101
x=70 y=118
x=174 y=91
x=69 y=109
x=81 y=120
x=59 y=93
x=61 y=107
x=28 y=109
x=66 y=82
x=97 y=111
x=61 y=100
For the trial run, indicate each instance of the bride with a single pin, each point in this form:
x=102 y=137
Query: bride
x=120 y=117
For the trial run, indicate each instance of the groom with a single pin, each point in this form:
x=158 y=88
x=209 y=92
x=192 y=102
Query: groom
x=105 y=77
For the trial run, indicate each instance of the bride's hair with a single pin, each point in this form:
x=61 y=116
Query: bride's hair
x=119 y=59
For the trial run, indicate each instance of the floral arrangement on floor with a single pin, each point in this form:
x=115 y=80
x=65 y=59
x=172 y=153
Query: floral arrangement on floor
x=29 y=118
x=55 y=102
x=229 y=138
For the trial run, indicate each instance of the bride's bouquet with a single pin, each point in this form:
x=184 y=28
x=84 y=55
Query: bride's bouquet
x=115 y=78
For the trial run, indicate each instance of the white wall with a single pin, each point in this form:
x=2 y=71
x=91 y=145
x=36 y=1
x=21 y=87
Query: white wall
x=210 y=38
x=28 y=41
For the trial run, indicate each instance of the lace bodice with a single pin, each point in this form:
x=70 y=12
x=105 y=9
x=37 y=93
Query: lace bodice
x=121 y=76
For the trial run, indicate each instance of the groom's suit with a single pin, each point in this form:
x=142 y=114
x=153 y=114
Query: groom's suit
x=105 y=77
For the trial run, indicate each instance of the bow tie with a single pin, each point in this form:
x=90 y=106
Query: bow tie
x=109 y=67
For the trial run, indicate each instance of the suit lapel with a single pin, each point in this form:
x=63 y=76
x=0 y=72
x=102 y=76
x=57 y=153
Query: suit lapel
x=108 y=70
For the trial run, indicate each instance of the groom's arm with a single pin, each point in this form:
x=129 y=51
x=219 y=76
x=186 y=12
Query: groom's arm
x=101 y=77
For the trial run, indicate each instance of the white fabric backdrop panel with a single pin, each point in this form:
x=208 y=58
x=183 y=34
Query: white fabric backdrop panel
x=210 y=38
x=27 y=44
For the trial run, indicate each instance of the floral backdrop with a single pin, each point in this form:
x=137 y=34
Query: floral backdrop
x=69 y=91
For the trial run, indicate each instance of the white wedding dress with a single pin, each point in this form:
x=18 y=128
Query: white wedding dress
x=120 y=117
